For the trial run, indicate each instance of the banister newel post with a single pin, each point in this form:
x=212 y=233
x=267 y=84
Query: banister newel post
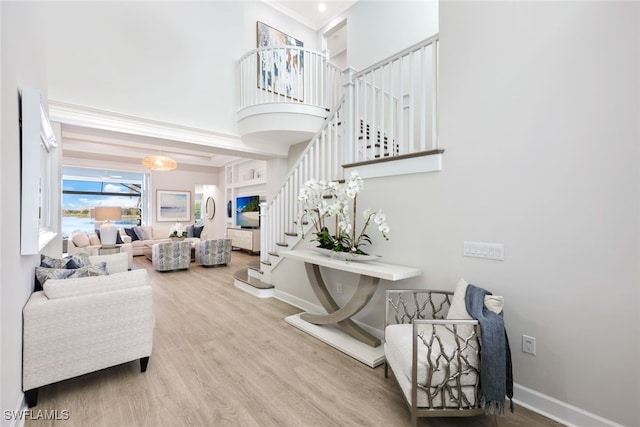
x=349 y=119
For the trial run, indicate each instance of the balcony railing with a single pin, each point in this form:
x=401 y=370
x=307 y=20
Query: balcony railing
x=394 y=105
x=288 y=74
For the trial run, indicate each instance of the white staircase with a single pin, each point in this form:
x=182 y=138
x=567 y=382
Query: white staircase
x=388 y=113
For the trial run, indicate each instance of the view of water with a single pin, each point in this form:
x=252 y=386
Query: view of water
x=72 y=223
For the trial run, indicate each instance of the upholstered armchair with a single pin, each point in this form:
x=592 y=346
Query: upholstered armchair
x=79 y=325
x=171 y=255
x=432 y=346
x=213 y=252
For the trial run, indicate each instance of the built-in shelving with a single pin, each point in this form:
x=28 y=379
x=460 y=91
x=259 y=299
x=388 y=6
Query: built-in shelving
x=246 y=178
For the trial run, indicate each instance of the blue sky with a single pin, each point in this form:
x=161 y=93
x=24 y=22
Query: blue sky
x=88 y=201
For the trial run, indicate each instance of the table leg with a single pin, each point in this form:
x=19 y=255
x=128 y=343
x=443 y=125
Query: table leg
x=342 y=315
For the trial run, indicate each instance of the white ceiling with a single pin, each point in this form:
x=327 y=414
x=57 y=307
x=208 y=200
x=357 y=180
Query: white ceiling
x=95 y=144
x=306 y=11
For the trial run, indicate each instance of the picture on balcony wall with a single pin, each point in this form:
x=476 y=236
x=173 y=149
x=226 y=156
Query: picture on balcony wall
x=280 y=70
x=173 y=205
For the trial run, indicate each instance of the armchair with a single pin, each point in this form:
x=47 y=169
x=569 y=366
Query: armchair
x=213 y=252
x=435 y=361
x=81 y=325
x=433 y=347
x=171 y=255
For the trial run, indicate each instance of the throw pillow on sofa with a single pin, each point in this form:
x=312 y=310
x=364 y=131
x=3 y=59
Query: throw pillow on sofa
x=60 y=268
x=131 y=233
x=80 y=239
x=94 y=239
x=194 y=230
x=80 y=259
x=144 y=233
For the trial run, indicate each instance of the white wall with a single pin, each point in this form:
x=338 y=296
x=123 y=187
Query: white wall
x=541 y=131
x=174 y=62
x=178 y=180
x=539 y=119
x=378 y=29
x=22 y=65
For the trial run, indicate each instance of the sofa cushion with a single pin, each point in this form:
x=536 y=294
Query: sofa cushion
x=91 y=285
x=80 y=239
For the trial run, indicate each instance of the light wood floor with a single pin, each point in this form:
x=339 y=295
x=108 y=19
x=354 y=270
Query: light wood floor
x=222 y=357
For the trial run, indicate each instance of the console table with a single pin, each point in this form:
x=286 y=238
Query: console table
x=370 y=275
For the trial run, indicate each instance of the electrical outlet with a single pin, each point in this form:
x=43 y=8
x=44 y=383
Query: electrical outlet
x=339 y=288
x=529 y=344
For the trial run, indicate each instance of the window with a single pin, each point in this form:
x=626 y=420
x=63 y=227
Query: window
x=85 y=189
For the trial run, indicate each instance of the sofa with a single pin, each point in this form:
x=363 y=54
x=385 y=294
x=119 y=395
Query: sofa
x=79 y=325
x=142 y=238
x=90 y=243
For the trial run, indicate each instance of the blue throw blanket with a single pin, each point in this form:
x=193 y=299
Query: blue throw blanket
x=496 y=375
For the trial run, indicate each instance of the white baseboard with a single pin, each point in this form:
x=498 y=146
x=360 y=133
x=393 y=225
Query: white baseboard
x=298 y=302
x=537 y=402
x=260 y=293
x=557 y=410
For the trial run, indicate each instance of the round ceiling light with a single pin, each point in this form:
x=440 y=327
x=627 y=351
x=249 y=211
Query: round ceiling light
x=159 y=163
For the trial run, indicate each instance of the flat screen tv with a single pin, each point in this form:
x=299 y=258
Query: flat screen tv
x=248 y=211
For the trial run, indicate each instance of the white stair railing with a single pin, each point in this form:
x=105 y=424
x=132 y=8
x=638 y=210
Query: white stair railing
x=388 y=109
x=288 y=74
x=395 y=104
x=322 y=160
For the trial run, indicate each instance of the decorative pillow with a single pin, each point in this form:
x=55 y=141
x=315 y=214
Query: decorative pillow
x=142 y=233
x=49 y=262
x=458 y=308
x=197 y=230
x=80 y=259
x=80 y=239
x=99 y=269
x=94 y=239
x=190 y=231
x=131 y=233
x=43 y=274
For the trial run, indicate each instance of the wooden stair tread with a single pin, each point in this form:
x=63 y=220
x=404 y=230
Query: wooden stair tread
x=243 y=276
x=254 y=265
x=291 y=233
x=283 y=244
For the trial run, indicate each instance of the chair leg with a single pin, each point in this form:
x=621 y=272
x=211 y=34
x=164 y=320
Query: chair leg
x=144 y=361
x=31 y=396
x=386 y=370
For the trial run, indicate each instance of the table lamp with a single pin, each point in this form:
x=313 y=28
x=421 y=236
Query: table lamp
x=108 y=230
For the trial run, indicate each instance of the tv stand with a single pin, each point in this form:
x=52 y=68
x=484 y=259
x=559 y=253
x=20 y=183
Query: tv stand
x=245 y=238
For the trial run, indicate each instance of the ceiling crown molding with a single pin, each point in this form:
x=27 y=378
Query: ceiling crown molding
x=105 y=120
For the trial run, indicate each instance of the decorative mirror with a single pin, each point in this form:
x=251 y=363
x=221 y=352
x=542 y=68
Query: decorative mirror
x=210 y=207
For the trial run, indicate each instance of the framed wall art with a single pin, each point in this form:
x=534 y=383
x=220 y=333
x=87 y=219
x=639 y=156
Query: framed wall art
x=280 y=70
x=173 y=205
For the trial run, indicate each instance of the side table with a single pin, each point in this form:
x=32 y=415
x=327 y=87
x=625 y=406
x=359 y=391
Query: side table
x=107 y=250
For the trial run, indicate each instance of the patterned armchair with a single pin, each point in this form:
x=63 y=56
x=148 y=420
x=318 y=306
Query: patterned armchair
x=168 y=256
x=213 y=252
